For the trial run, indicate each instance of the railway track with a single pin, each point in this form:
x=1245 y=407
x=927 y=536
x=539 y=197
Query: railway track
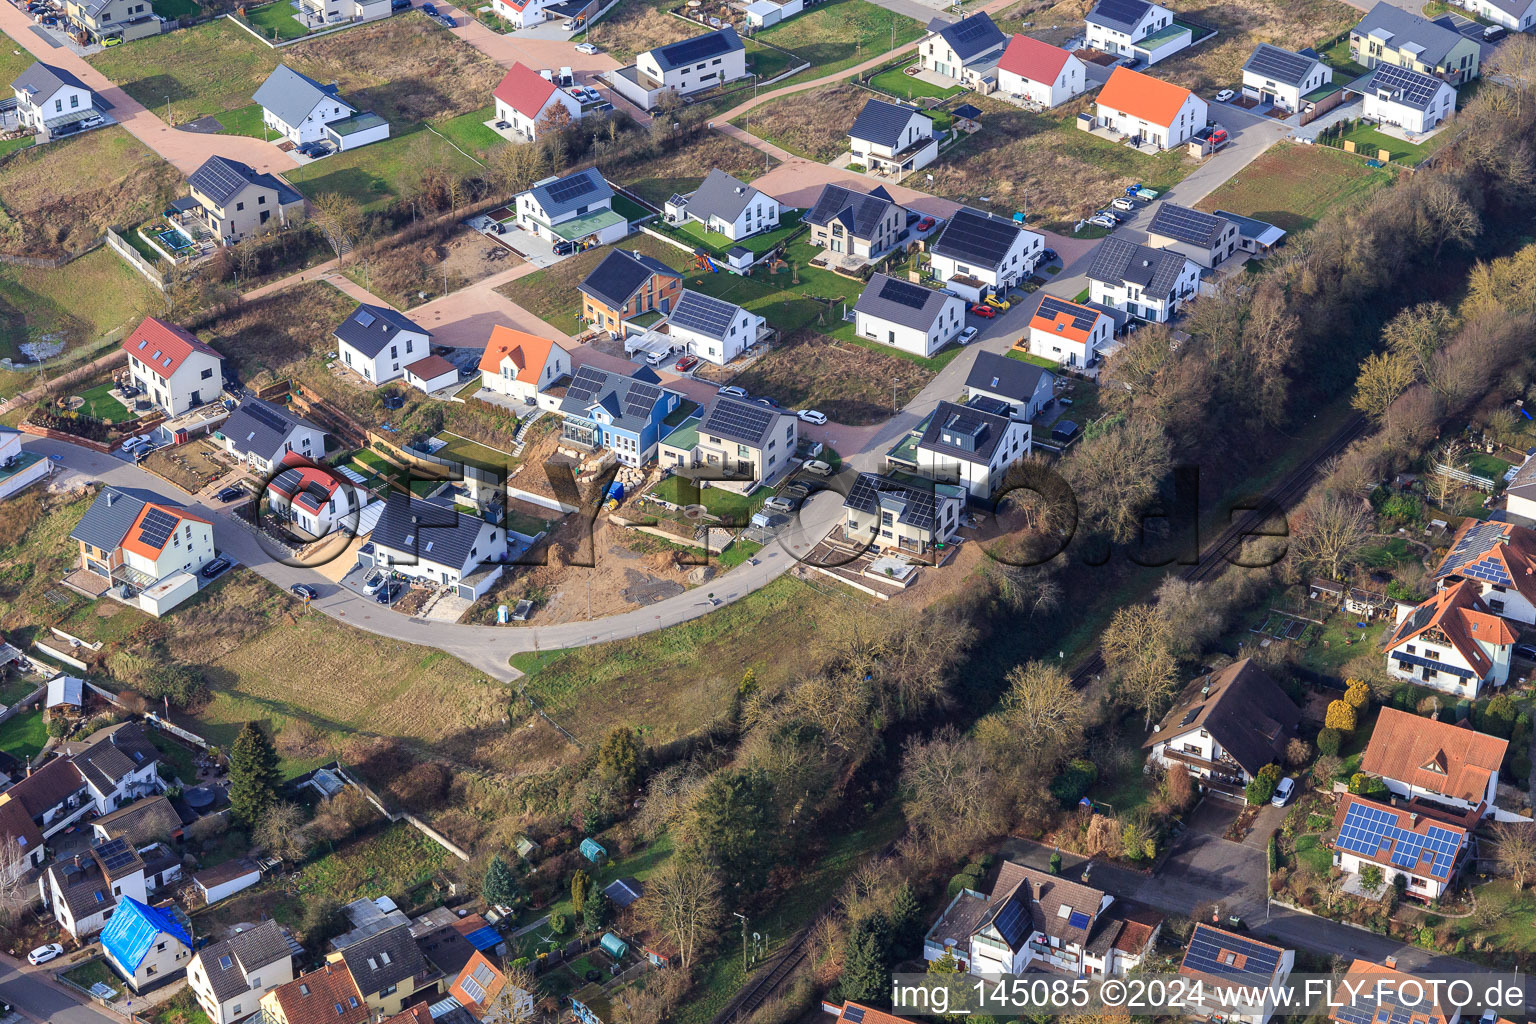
x=1213 y=561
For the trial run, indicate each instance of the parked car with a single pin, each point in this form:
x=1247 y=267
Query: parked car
x=780 y=503
x=231 y=494
x=734 y=391
x=1526 y=651
x=399 y=5
x=685 y=364
x=42 y=954
x=1049 y=256
x=304 y=591
x=796 y=492
x=447 y=19
x=522 y=610
x=1123 y=203
x=586 y=48
x=657 y=358
x=215 y=567
x=1224 y=95
x=1494 y=32
x=1102 y=221
x=925 y=223
x=1218 y=137
x=997 y=303
x=983 y=310
x=768 y=402
x=1112 y=215
x=812 y=416
x=967 y=336
x=132 y=443
x=1283 y=792
x=389 y=592
x=429 y=9
x=373 y=582
x=818 y=467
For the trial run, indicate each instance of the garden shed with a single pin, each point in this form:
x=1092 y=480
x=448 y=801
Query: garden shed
x=614 y=946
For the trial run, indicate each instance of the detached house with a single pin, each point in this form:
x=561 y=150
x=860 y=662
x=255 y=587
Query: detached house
x=1225 y=727
x=1283 y=77
x=1071 y=333
x=125 y=20
x=260 y=433
x=1499 y=560
x=1225 y=962
x=966 y=50
x=144 y=546
x=1152 y=284
x=438 y=546
x=147 y=946
x=1450 y=765
x=1411 y=100
x=377 y=342
x=908 y=316
x=172 y=368
x=684 y=67
x=867 y=224
x=1149 y=110
x=1453 y=643
x=317 y=501
x=119 y=765
x=1020 y=390
x=625 y=285
x=891 y=515
x=971 y=446
x=301 y=110
x=1391 y=35
x=1203 y=237
x=1040 y=73
x=527 y=100
x=892 y=138
x=738 y=443
x=725 y=206
x=603 y=409
x=1415 y=844
x=51 y=100
x=388 y=969
x=230 y=977
x=326 y=994
x=978 y=253
x=1515 y=15
x=1135 y=28
x=577 y=209
x=330 y=12
x=1363 y=1000
x=713 y=329
x=233 y=202
x=45 y=801
x=17 y=826
x=523 y=366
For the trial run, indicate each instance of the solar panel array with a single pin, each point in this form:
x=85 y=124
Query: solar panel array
x=218 y=179
x=691 y=51
x=705 y=314
x=589 y=380
x=854 y=1014
x=1207 y=945
x=972 y=29
x=1280 y=65
x=566 y=189
x=1364 y=1009
x=641 y=399
x=1476 y=543
x=979 y=238
x=905 y=293
x=266 y=416
x=1052 y=308
x=1127 y=11
x=865 y=495
x=740 y=420
x=1186 y=225
x=1366 y=829
x=1078 y=919
x=364 y=318
x=1412 y=87
x=156 y=528
x=115 y=854
x=1012 y=921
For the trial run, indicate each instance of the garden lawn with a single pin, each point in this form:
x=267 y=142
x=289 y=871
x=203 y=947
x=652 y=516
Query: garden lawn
x=276 y=21
x=768 y=62
x=838 y=34
x=181 y=1008
x=1343 y=64
x=246 y=120
x=95 y=973
x=719 y=245
x=381 y=173
x=169 y=9
x=1292 y=186
x=85 y=304
x=206 y=69
x=551 y=295
x=1312 y=856
x=23 y=735
x=100 y=404
x=1369 y=141
x=1485 y=465
x=469 y=133
x=728 y=505
x=14 y=59
x=907 y=87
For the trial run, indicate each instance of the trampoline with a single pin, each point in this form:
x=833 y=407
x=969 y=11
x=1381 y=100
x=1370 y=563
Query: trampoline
x=200 y=798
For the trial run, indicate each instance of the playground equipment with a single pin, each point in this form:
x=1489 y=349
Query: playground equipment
x=701 y=261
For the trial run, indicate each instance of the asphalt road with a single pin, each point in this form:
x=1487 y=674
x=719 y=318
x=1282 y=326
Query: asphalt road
x=38 y=997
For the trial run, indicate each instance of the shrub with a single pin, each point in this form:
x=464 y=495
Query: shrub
x=1263 y=785
x=1074 y=781
x=1341 y=716
x=1357 y=694
x=1328 y=742
x=1362 y=784
x=1498 y=717
x=1056 y=862
x=559 y=923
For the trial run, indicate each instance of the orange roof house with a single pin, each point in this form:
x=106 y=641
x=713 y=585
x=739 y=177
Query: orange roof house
x=520 y=364
x=1363 y=977
x=1452 y=642
x=150 y=542
x=1142 y=96
x=1065 y=319
x=1437 y=759
x=324 y=996
x=477 y=985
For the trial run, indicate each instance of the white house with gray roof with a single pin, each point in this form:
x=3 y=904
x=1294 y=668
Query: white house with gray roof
x=978 y=253
x=1152 y=284
x=726 y=206
x=1412 y=101
x=230 y=977
x=893 y=138
x=966 y=50
x=1515 y=15
x=1024 y=389
x=301 y=110
x=576 y=208
x=1135 y=28
x=739 y=444
x=908 y=316
x=378 y=343
x=1283 y=77
x=867 y=224
x=1203 y=237
x=438 y=545
x=712 y=329
x=971 y=445
x=51 y=100
x=260 y=433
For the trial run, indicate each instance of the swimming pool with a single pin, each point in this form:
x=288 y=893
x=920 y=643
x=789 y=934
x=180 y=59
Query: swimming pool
x=176 y=240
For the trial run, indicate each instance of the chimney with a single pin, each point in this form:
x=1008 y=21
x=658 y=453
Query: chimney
x=1390 y=963
x=77 y=862
x=111 y=496
x=1205 y=691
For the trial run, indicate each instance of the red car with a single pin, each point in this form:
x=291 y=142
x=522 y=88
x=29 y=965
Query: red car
x=925 y=224
x=685 y=364
x=984 y=311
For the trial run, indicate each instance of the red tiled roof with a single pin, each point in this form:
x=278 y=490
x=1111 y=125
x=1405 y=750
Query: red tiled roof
x=1438 y=757
x=132 y=543
x=524 y=90
x=311 y=477
x=1464 y=619
x=1151 y=99
x=313 y=998
x=163 y=347
x=528 y=352
x=1032 y=59
x=1361 y=979
x=483 y=973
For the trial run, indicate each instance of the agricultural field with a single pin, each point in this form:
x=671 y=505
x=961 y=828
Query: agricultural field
x=379 y=174
x=1217 y=63
x=813 y=124
x=682 y=167
x=59 y=198
x=1292 y=186
x=1042 y=164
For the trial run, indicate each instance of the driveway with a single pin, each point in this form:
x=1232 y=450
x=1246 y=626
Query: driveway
x=39 y=998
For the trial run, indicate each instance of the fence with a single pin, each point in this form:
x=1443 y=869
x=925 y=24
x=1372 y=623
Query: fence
x=278 y=44
x=1482 y=483
x=17 y=706
x=120 y=245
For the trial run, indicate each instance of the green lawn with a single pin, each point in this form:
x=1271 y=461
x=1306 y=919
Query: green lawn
x=1312 y=855
x=206 y=69
x=14 y=58
x=838 y=34
x=181 y=759
x=469 y=133
x=728 y=505
x=100 y=404
x=904 y=86
x=1368 y=140
x=246 y=120
x=177 y=8
x=1292 y=186
x=1490 y=466
x=768 y=62
x=95 y=973
x=719 y=245
x=379 y=174
x=81 y=303
x=276 y=20
x=10 y=146
x=630 y=209
x=23 y=735
x=1338 y=57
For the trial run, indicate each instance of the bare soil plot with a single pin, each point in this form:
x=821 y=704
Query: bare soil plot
x=1292 y=186
x=682 y=168
x=813 y=124
x=276 y=334
x=408 y=273
x=850 y=383
x=59 y=198
x=636 y=26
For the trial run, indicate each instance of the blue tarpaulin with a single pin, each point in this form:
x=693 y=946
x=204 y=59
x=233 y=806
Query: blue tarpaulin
x=484 y=938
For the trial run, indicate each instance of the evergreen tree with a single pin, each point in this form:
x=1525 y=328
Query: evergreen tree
x=579 y=885
x=906 y=921
x=866 y=973
x=594 y=911
x=737 y=826
x=619 y=758
x=500 y=886
x=253 y=775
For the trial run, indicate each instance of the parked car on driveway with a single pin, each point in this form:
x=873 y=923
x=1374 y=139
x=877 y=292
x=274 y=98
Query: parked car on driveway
x=389 y=592
x=983 y=310
x=818 y=467
x=734 y=391
x=1224 y=95
x=586 y=48
x=215 y=567
x=1123 y=203
x=967 y=336
x=1048 y=256
x=685 y=364
x=997 y=303
x=925 y=223
x=1283 y=792
x=42 y=954
x=1103 y=221
x=812 y=416
x=429 y=9
x=373 y=582
x=231 y=494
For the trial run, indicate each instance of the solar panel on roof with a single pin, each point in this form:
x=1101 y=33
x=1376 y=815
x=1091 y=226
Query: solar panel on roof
x=568 y=188
x=1186 y=225
x=977 y=237
x=1127 y=11
x=1078 y=919
x=1052 y=308
x=641 y=399
x=115 y=854
x=905 y=293
x=968 y=29
x=1208 y=946
x=364 y=318
x=742 y=420
x=156 y=528
x=691 y=51
x=853 y=1014
x=1281 y=65
x=1012 y=921
x=1367 y=830
x=587 y=383
x=1414 y=88
x=704 y=313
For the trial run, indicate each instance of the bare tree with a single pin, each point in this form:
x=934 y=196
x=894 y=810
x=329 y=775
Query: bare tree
x=15 y=893
x=1383 y=377
x=1515 y=848
x=1045 y=712
x=1515 y=62
x=341 y=218
x=1443 y=482
x=1117 y=474
x=682 y=901
x=283 y=833
x=514 y=1003
x=952 y=796
x=1328 y=530
x=1139 y=654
